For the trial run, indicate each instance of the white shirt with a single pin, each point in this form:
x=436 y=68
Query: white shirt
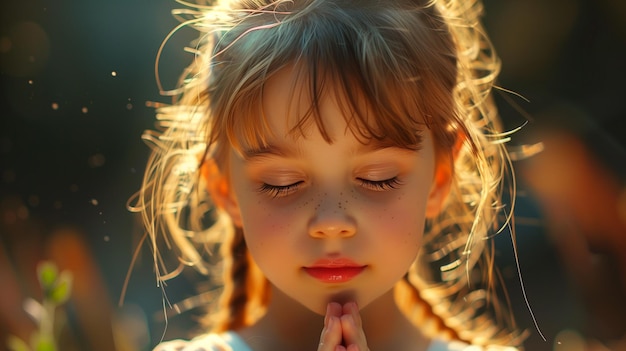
x=231 y=341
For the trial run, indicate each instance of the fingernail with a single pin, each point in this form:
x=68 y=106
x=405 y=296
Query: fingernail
x=327 y=315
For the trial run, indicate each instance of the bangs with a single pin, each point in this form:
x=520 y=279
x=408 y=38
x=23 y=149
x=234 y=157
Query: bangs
x=365 y=64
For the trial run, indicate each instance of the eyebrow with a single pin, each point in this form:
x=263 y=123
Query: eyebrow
x=376 y=145
x=270 y=150
x=282 y=151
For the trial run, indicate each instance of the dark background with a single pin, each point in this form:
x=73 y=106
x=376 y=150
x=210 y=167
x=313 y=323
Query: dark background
x=76 y=80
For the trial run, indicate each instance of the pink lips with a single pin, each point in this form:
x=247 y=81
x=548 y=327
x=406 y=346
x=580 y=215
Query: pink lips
x=339 y=270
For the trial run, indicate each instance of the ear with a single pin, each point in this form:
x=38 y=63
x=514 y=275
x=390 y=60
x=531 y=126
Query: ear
x=220 y=191
x=444 y=171
x=441 y=186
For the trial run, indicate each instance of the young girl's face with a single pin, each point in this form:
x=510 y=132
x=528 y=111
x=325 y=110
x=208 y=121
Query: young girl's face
x=324 y=219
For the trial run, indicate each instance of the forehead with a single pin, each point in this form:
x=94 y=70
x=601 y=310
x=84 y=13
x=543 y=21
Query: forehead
x=292 y=106
x=298 y=99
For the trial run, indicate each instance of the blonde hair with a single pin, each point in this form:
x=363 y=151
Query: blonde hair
x=417 y=64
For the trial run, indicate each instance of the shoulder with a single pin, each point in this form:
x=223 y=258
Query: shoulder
x=228 y=341
x=440 y=345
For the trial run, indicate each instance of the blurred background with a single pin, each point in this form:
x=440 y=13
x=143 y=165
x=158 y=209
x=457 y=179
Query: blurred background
x=76 y=80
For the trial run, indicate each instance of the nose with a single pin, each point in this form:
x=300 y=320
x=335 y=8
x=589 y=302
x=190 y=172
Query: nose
x=331 y=221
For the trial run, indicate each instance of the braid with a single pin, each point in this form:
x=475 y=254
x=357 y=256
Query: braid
x=421 y=312
x=246 y=290
x=445 y=315
x=235 y=295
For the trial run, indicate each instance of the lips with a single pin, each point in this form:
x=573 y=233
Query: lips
x=339 y=270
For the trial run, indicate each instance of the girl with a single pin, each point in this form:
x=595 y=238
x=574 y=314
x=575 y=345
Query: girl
x=346 y=158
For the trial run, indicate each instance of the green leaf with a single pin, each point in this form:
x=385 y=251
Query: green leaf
x=60 y=293
x=43 y=342
x=47 y=273
x=16 y=344
x=45 y=345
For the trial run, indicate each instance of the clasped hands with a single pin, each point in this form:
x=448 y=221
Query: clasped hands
x=343 y=329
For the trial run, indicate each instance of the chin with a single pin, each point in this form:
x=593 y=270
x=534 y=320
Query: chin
x=340 y=297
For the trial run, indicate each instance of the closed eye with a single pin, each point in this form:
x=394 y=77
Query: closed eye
x=279 y=190
x=379 y=185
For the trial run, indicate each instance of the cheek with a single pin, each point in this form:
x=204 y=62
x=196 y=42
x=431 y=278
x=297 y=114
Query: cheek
x=399 y=221
x=263 y=223
x=258 y=219
x=403 y=238
x=260 y=229
x=271 y=234
x=395 y=232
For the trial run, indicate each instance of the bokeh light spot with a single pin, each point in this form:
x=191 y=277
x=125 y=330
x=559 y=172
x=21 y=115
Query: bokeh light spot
x=96 y=160
x=33 y=200
x=26 y=48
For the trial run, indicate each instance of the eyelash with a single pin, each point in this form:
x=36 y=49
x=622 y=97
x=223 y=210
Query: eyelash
x=380 y=185
x=279 y=190
x=276 y=191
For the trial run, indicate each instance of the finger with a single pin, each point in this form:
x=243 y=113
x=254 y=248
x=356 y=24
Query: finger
x=331 y=334
x=351 y=308
x=352 y=332
x=332 y=309
x=353 y=338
